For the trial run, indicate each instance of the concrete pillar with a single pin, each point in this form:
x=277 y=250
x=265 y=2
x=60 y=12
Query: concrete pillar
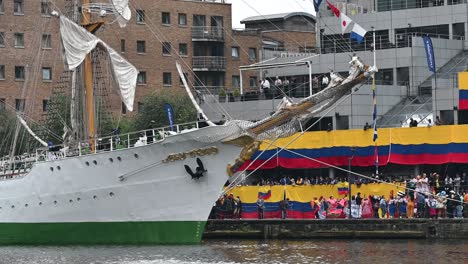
x=450 y=31
x=331 y=173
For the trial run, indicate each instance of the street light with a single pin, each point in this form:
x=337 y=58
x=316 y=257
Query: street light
x=349 y=179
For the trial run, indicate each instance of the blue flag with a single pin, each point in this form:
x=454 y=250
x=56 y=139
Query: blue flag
x=170 y=115
x=429 y=53
x=317 y=5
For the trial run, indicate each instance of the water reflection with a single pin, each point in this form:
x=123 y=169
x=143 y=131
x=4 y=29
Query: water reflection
x=250 y=251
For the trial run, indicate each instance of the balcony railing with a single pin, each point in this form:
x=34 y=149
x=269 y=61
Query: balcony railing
x=209 y=63
x=207 y=34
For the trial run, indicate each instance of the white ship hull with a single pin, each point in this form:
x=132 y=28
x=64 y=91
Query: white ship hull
x=129 y=191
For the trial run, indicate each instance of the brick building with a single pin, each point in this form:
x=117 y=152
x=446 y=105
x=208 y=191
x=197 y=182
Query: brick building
x=198 y=34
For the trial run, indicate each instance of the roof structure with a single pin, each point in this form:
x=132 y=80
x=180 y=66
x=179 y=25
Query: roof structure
x=272 y=17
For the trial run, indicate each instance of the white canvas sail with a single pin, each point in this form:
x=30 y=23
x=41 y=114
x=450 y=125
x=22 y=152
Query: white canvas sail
x=25 y=125
x=124 y=14
x=78 y=42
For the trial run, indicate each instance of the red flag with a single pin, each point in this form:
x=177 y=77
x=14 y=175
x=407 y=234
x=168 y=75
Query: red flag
x=335 y=10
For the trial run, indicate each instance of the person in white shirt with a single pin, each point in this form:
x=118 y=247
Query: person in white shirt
x=265 y=87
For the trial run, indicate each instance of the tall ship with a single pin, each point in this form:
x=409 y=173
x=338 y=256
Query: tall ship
x=148 y=187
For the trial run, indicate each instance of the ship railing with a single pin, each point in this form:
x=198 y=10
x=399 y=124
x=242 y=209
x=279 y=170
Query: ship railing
x=113 y=142
x=15 y=167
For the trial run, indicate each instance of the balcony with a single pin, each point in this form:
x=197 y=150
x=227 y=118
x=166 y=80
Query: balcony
x=208 y=34
x=209 y=63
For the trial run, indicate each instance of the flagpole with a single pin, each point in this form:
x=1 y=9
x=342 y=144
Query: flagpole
x=376 y=153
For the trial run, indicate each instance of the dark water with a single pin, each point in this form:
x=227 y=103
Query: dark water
x=250 y=251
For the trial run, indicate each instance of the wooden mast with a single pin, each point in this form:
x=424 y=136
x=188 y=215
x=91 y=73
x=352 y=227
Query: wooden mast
x=92 y=27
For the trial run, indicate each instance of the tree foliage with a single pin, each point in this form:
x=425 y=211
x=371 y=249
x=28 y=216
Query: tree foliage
x=152 y=113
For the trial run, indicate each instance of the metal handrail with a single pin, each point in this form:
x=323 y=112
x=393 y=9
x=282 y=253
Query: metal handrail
x=208 y=33
x=209 y=62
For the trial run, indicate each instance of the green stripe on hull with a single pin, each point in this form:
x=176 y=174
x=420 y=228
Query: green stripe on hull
x=102 y=233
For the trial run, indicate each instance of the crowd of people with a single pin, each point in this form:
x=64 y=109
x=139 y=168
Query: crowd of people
x=425 y=197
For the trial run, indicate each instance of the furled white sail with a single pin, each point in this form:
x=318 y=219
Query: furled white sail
x=124 y=14
x=78 y=42
x=25 y=125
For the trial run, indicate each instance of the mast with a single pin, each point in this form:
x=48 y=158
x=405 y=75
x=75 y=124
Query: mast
x=88 y=78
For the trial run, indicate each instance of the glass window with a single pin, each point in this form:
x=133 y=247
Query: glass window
x=124 y=109
x=122 y=45
x=167 y=79
x=19 y=40
x=2 y=39
x=253 y=53
x=19 y=104
x=235 y=81
x=19 y=73
x=46 y=41
x=183 y=19
x=2 y=7
x=183 y=49
x=253 y=81
x=2 y=72
x=166 y=48
x=140 y=16
x=166 y=18
x=18 y=7
x=141 y=46
x=2 y=103
x=140 y=106
x=45 y=8
x=199 y=20
x=141 y=79
x=45 y=105
x=46 y=74
x=186 y=78
x=235 y=52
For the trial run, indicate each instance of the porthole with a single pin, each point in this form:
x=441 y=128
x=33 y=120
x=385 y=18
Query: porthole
x=119 y=158
x=12 y=206
x=111 y=194
x=51 y=168
x=136 y=156
x=94 y=197
x=95 y=162
x=87 y=163
x=40 y=203
x=26 y=205
x=111 y=160
x=59 y=168
x=55 y=202
x=71 y=201
x=78 y=199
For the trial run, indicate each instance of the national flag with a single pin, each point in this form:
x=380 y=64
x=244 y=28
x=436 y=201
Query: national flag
x=334 y=9
x=170 y=115
x=345 y=22
x=343 y=190
x=358 y=33
x=463 y=91
x=429 y=53
x=317 y=5
x=374 y=114
x=264 y=196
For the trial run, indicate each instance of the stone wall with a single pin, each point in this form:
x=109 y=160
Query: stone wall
x=339 y=228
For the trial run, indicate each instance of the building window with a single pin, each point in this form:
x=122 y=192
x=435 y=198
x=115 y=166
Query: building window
x=183 y=49
x=45 y=8
x=19 y=40
x=19 y=73
x=47 y=74
x=235 y=81
x=182 y=19
x=140 y=16
x=141 y=46
x=199 y=21
x=141 y=79
x=2 y=102
x=253 y=81
x=186 y=78
x=45 y=105
x=166 y=18
x=19 y=104
x=235 y=52
x=46 y=41
x=122 y=45
x=2 y=7
x=140 y=106
x=253 y=53
x=18 y=7
x=2 y=39
x=167 y=79
x=124 y=109
x=166 y=48
x=2 y=72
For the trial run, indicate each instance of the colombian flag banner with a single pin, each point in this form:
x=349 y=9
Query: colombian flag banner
x=406 y=146
x=463 y=90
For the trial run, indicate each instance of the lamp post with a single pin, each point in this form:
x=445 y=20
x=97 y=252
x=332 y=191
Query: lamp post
x=349 y=180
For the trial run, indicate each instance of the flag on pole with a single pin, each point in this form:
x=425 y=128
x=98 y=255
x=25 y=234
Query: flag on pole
x=334 y=9
x=345 y=22
x=170 y=115
x=429 y=53
x=358 y=33
x=317 y=5
x=374 y=117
